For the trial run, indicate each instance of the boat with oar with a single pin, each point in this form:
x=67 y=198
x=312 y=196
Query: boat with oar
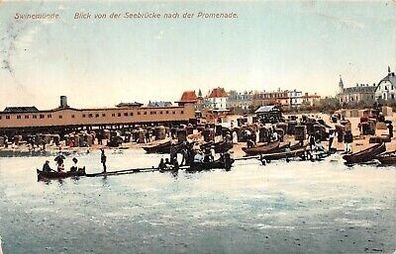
x=159 y=148
x=42 y=175
x=387 y=158
x=365 y=155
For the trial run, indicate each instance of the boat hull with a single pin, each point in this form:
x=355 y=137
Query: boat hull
x=59 y=175
x=365 y=155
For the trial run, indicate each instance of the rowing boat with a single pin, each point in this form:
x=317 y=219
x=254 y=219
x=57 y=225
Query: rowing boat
x=217 y=164
x=59 y=175
x=159 y=148
x=365 y=155
x=284 y=155
x=262 y=149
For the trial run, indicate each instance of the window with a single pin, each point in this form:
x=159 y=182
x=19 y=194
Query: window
x=113 y=114
x=173 y=112
x=83 y=115
x=42 y=116
x=125 y=114
x=90 y=115
x=182 y=112
x=73 y=116
x=103 y=115
x=60 y=116
x=7 y=117
x=18 y=117
x=96 y=115
x=167 y=112
x=34 y=116
x=138 y=113
x=393 y=96
x=0 y=117
x=131 y=113
x=119 y=114
x=144 y=113
x=161 y=112
x=153 y=113
x=26 y=116
x=49 y=116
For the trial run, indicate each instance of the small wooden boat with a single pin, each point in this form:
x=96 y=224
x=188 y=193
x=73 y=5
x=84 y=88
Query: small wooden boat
x=219 y=147
x=159 y=148
x=262 y=149
x=387 y=158
x=284 y=155
x=217 y=164
x=365 y=155
x=59 y=175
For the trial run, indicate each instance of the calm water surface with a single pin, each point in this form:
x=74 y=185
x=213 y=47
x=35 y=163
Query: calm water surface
x=296 y=207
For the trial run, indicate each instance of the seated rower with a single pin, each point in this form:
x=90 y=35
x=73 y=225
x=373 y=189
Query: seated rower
x=198 y=158
x=167 y=162
x=162 y=164
x=46 y=167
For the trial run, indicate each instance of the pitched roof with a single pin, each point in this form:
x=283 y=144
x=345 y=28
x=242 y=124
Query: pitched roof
x=218 y=92
x=264 y=109
x=129 y=104
x=29 y=109
x=189 y=96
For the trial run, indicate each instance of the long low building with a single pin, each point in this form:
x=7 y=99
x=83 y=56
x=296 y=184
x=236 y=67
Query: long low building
x=65 y=116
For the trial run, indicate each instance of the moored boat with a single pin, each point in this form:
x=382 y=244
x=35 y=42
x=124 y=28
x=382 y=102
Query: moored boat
x=59 y=175
x=387 y=158
x=284 y=155
x=159 y=148
x=224 y=162
x=262 y=149
x=365 y=155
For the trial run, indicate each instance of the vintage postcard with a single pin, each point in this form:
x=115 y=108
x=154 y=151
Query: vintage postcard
x=197 y=126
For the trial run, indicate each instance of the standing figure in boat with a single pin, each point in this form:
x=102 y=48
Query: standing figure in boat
x=74 y=168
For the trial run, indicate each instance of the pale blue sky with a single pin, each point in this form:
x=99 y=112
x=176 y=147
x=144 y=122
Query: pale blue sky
x=302 y=45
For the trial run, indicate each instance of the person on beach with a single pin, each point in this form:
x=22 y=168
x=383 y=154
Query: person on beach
x=311 y=142
x=331 y=139
x=103 y=160
x=348 y=139
x=390 y=130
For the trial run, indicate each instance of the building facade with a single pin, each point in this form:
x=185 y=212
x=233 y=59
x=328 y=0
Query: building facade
x=241 y=100
x=295 y=98
x=67 y=116
x=279 y=98
x=356 y=94
x=386 y=88
x=217 y=99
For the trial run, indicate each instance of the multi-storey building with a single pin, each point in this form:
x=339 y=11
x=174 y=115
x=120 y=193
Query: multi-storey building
x=240 y=100
x=280 y=98
x=386 y=88
x=355 y=94
x=217 y=99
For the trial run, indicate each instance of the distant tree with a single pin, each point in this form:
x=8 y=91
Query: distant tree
x=328 y=104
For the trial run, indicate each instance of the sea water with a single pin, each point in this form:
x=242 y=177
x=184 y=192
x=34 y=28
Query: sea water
x=295 y=207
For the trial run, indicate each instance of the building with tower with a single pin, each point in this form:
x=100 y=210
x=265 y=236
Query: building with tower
x=386 y=88
x=360 y=93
